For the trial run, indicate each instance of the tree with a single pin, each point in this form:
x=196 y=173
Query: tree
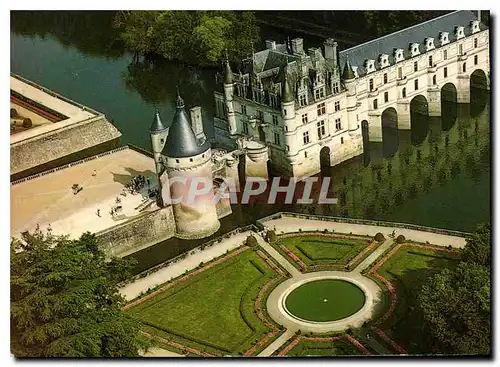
x=211 y=35
x=456 y=304
x=65 y=301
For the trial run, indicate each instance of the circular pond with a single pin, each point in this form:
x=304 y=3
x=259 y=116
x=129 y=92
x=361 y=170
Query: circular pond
x=325 y=300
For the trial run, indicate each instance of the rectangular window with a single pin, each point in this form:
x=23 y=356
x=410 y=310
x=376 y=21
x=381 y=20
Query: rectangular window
x=445 y=55
x=305 y=154
x=321 y=109
x=306 y=137
x=336 y=88
x=430 y=61
x=337 y=106
x=243 y=109
x=341 y=140
x=385 y=78
x=276 y=139
x=400 y=73
x=287 y=148
x=475 y=59
x=416 y=84
x=386 y=96
x=322 y=93
x=415 y=66
x=260 y=115
x=475 y=42
x=375 y=104
x=445 y=72
x=275 y=120
x=460 y=49
x=321 y=129
x=316 y=94
x=303 y=100
x=304 y=118
x=371 y=85
x=245 y=128
x=338 y=125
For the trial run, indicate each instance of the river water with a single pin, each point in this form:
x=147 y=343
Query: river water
x=437 y=174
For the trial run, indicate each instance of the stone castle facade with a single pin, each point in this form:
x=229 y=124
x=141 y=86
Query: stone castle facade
x=309 y=112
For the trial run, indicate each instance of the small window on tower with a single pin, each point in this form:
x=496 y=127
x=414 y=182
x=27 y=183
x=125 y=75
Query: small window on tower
x=162 y=141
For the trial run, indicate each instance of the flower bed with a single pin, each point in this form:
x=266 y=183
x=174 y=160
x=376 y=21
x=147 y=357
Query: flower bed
x=177 y=345
x=294 y=257
x=298 y=338
x=398 y=348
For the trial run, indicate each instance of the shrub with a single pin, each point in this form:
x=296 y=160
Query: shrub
x=400 y=239
x=13 y=113
x=251 y=241
x=271 y=237
x=27 y=123
x=379 y=237
x=325 y=230
x=300 y=229
x=449 y=247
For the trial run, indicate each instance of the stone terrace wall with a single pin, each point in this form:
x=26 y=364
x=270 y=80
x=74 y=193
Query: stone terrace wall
x=448 y=232
x=59 y=143
x=138 y=233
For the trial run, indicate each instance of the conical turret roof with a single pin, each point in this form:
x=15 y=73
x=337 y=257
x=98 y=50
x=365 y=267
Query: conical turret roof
x=157 y=125
x=348 y=72
x=228 y=74
x=181 y=140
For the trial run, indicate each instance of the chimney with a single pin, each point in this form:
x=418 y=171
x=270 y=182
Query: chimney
x=297 y=45
x=271 y=45
x=196 y=121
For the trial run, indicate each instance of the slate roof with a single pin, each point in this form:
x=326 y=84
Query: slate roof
x=181 y=140
x=157 y=125
x=403 y=38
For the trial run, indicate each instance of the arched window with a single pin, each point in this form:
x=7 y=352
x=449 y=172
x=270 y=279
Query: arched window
x=464 y=67
x=404 y=92
x=434 y=80
x=375 y=104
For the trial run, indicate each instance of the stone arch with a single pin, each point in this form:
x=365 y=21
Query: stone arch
x=419 y=112
x=479 y=79
x=390 y=138
x=325 y=158
x=448 y=106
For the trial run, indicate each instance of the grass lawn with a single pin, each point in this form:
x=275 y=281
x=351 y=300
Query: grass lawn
x=325 y=300
x=316 y=250
x=213 y=309
x=322 y=349
x=408 y=269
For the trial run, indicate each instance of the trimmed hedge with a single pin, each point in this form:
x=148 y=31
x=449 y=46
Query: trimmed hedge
x=400 y=239
x=379 y=237
x=251 y=241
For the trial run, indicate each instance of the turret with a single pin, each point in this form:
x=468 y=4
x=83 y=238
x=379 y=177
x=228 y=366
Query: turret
x=228 y=96
x=288 y=113
x=349 y=79
x=189 y=170
x=158 y=133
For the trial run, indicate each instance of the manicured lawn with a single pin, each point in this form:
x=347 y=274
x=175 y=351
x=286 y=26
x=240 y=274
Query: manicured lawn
x=213 y=308
x=325 y=300
x=323 y=349
x=316 y=250
x=408 y=269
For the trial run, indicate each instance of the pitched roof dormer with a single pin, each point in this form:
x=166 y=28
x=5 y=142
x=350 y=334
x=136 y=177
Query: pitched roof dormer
x=383 y=60
x=414 y=49
x=474 y=26
x=429 y=43
x=399 y=54
x=459 y=32
x=369 y=65
x=444 y=38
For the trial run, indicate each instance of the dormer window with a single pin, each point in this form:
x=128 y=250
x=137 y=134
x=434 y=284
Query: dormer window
x=399 y=54
x=383 y=60
x=370 y=65
x=474 y=26
x=459 y=32
x=414 y=49
x=355 y=70
x=444 y=38
x=429 y=43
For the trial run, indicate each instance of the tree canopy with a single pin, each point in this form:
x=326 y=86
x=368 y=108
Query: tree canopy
x=456 y=304
x=194 y=37
x=65 y=301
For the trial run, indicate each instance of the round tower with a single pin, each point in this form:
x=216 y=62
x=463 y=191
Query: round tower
x=158 y=134
x=350 y=83
x=190 y=182
x=288 y=113
x=228 y=94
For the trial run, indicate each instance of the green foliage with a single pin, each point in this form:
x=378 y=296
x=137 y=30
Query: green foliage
x=456 y=304
x=251 y=241
x=194 y=37
x=271 y=236
x=379 y=237
x=400 y=239
x=65 y=301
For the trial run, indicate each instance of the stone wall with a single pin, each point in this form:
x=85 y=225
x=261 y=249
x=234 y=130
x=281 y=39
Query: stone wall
x=138 y=233
x=60 y=144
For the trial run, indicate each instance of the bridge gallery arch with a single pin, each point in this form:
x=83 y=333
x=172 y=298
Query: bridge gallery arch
x=390 y=139
x=449 y=106
x=479 y=94
x=324 y=158
x=419 y=119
